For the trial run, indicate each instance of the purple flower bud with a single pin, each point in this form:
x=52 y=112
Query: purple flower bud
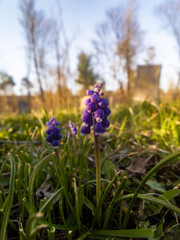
x=99 y=115
x=87 y=101
x=74 y=131
x=85 y=130
x=91 y=107
x=87 y=119
x=96 y=89
x=71 y=124
x=52 y=122
x=94 y=98
x=98 y=129
x=103 y=103
x=85 y=112
x=55 y=123
x=105 y=123
x=52 y=134
x=48 y=131
x=56 y=130
x=58 y=136
x=107 y=111
x=49 y=139
x=89 y=92
x=55 y=143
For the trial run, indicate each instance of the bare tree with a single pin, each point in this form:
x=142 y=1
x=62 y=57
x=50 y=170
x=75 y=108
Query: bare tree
x=169 y=12
x=120 y=38
x=27 y=85
x=37 y=31
x=6 y=83
x=61 y=47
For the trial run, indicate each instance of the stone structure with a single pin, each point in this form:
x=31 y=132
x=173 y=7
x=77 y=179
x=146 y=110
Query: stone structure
x=146 y=84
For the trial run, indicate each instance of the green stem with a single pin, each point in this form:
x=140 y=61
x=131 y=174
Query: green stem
x=144 y=180
x=98 y=168
x=59 y=162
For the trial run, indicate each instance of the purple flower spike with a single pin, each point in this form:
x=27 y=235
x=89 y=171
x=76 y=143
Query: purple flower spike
x=89 y=92
x=53 y=132
x=99 y=115
x=87 y=119
x=98 y=129
x=91 y=107
x=73 y=128
x=96 y=112
x=94 y=98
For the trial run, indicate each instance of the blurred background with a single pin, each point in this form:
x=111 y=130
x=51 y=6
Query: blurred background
x=52 y=51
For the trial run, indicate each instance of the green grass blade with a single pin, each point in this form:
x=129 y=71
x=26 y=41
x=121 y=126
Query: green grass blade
x=111 y=205
x=50 y=200
x=144 y=180
x=84 y=236
x=10 y=199
x=77 y=205
x=103 y=197
x=129 y=233
x=152 y=199
x=31 y=183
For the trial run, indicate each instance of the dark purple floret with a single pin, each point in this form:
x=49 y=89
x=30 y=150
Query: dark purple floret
x=57 y=130
x=98 y=128
x=85 y=130
x=89 y=92
x=105 y=123
x=53 y=132
x=103 y=102
x=94 y=98
x=55 y=143
x=107 y=111
x=85 y=112
x=87 y=101
x=49 y=139
x=91 y=107
x=99 y=115
x=58 y=136
x=87 y=119
x=48 y=131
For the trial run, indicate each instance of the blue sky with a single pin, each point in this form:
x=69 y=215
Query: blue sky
x=81 y=18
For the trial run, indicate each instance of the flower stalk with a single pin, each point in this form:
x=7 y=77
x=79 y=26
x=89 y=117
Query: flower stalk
x=98 y=168
x=58 y=161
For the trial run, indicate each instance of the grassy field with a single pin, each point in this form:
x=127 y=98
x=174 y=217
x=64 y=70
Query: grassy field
x=140 y=177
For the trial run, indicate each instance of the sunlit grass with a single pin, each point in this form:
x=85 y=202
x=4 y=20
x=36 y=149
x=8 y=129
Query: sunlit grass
x=65 y=205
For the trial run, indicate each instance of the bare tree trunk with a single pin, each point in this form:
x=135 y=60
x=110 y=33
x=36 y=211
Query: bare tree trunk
x=38 y=75
x=58 y=67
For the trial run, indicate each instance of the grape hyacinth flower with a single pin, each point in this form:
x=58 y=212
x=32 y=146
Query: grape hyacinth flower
x=73 y=131
x=96 y=115
x=73 y=128
x=53 y=132
x=96 y=112
x=53 y=137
